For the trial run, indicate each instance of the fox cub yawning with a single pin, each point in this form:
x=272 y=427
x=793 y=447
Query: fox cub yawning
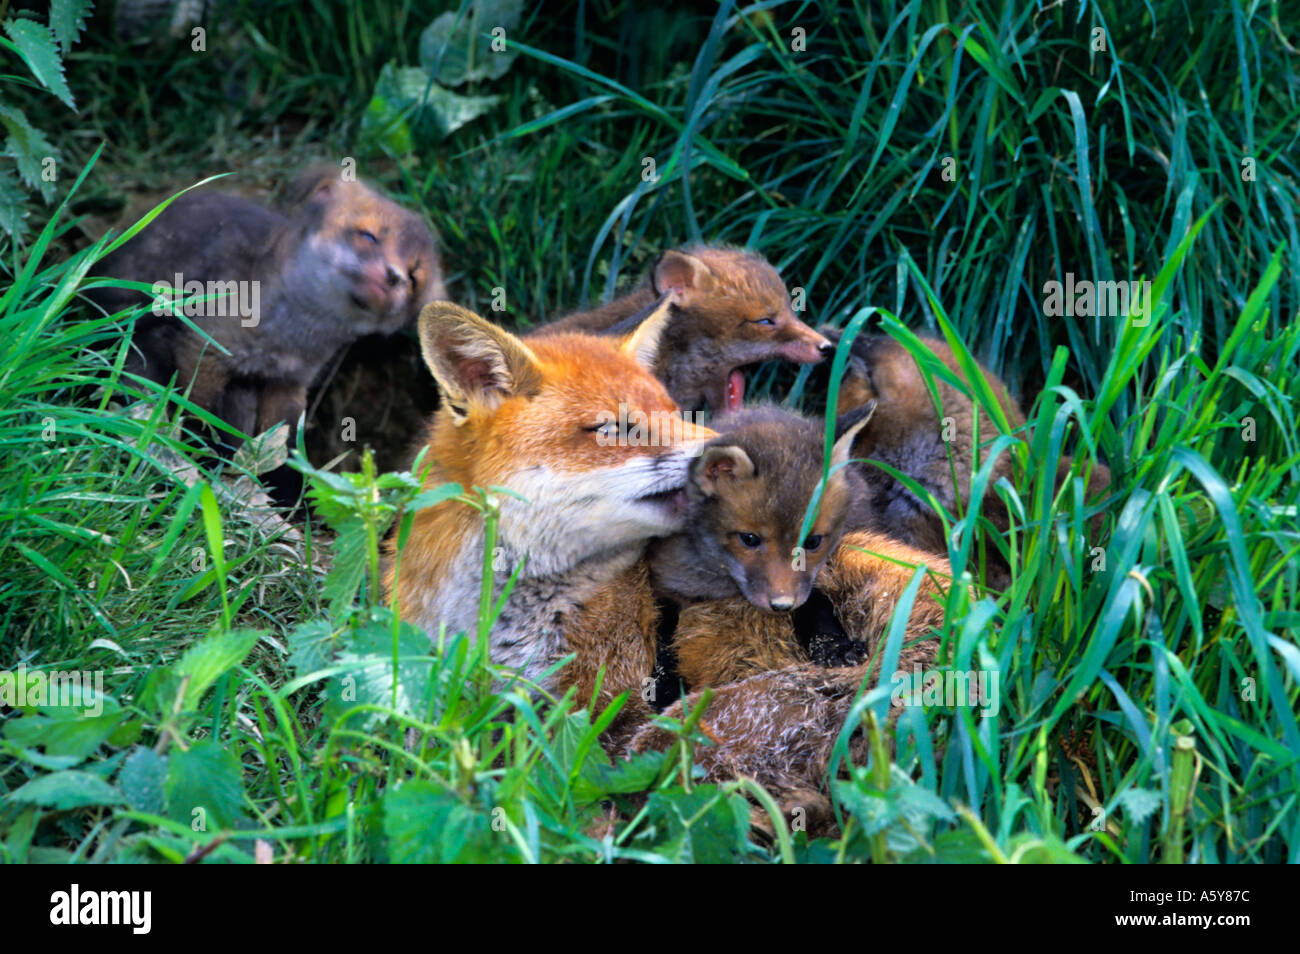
x=288 y=290
x=730 y=310
x=543 y=418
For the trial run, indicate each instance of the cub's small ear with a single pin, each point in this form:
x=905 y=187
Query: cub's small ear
x=476 y=364
x=642 y=345
x=313 y=184
x=855 y=364
x=718 y=462
x=683 y=276
x=847 y=427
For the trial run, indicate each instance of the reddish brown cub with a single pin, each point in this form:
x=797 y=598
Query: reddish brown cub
x=730 y=310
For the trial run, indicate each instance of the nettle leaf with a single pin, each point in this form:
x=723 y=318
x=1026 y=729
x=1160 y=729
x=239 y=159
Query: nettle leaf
x=625 y=776
x=207 y=777
x=203 y=663
x=1027 y=849
x=142 y=780
x=346 y=575
x=68 y=19
x=703 y=826
x=425 y=824
x=38 y=50
x=13 y=205
x=311 y=647
x=960 y=846
x=70 y=789
x=66 y=730
x=461 y=49
x=51 y=763
x=903 y=808
x=367 y=654
x=1140 y=804
x=406 y=102
x=29 y=148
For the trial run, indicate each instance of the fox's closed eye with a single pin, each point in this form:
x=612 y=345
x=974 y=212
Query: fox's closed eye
x=367 y=236
x=766 y=320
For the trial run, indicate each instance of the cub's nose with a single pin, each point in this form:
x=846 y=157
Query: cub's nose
x=781 y=604
x=394 y=276
x=827 y=348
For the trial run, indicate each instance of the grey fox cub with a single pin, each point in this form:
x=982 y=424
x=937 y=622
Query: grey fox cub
x=288 y=290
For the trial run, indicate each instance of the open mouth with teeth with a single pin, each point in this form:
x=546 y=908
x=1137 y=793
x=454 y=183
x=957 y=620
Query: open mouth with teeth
x=734 y=394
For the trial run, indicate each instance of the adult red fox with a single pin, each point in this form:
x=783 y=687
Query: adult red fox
x=579 y=426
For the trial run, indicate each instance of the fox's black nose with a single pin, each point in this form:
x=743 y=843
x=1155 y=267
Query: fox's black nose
x=782 y=605
x=827 y=348
x=394 y=276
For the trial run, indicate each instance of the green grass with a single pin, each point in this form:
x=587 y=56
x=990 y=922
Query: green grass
x=251 y=670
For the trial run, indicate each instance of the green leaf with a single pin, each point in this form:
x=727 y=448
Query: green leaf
x=624 y=776
x=207 y=661
x=204 y=663
x=37 y=48
x=703 y=826
x=13 y=205
x=206 y=777
x=142 y=779
x=29 y=148
x=406 y=101
x=1140 y=804
x=1049 y=850
x=460 y=48
x=427 y=825
x=65 y=730
x=68 y=19
x=349 y=569
x=366 y=656
x=70 y=789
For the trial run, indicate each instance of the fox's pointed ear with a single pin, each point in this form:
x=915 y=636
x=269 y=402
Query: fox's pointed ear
x=847 y=427
x=720 y=461
x=474 y=362
x=682 y=275
x=642 y=345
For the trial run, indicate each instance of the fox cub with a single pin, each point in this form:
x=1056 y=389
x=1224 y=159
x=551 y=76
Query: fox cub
x=288 y=290
x=747 y=494
x=908 y=434
x=730 y=310
x=544 y=418
x=749 y=594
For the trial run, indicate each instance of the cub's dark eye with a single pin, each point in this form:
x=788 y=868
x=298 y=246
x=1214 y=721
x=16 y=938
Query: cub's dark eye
x=750 y=540
x=367 y=236
x=766 y=320
x=813 y=543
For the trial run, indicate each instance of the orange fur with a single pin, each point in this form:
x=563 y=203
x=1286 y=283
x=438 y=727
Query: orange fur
x=521 y=415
